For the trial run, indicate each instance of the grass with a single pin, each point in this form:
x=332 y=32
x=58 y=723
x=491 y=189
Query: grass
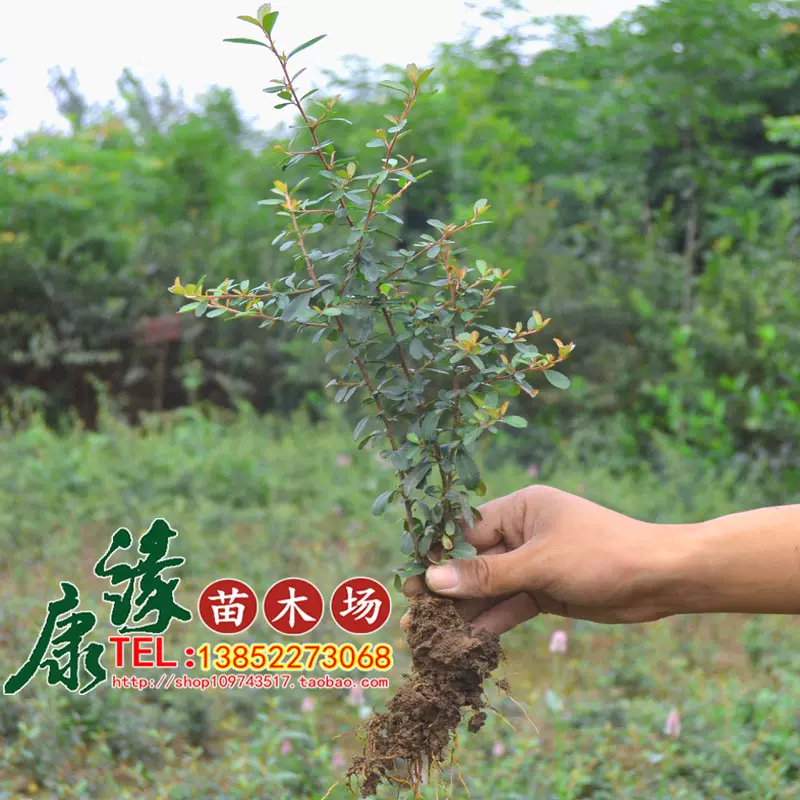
x=261 y=499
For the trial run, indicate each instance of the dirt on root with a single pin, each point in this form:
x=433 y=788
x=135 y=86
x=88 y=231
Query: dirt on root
x=450 y=662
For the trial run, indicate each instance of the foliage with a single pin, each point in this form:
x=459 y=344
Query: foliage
x=91 y=224
x=643 y=182
x=293 y=506
x=409 y=321
x=650 y=215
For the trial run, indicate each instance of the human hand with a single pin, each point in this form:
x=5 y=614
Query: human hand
x=545 y=551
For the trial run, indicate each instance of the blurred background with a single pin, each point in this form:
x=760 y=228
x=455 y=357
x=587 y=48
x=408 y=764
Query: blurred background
x=643 y=167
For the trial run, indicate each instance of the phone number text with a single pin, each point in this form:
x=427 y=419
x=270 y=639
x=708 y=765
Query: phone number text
x=295 y=657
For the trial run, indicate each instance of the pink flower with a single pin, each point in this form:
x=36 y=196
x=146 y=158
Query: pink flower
x=356 y=696
x=286 y=747
x=498 y=749
x=337 y=761
x=343 y=460
x=533 y=470
x=673 y=724
x=337 y=510
x=308 y=704
x=558 y=642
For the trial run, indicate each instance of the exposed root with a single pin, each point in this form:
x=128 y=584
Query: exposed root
x=450 y=663
x=503 y=686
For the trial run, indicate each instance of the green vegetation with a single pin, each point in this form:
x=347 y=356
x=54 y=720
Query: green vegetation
x=408 y=324
x=240 y=489
x=644 y=190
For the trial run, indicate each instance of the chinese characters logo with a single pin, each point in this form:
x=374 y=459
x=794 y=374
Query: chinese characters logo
x=147 y=598
x=228 y=606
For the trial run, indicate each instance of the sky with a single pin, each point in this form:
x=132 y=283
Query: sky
x=182 y=41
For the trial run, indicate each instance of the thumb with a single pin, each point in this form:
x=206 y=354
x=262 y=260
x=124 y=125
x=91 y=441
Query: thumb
x=480 y=576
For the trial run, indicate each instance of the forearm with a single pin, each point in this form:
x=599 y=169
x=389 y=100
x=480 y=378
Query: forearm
x=747 y=562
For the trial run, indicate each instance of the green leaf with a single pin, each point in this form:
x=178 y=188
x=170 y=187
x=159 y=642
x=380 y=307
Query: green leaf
x=368 y=438
x=305 y=45
x=395 y=87
x=472 y=435
x=467 y=469
x=187 y=308
x=515 y=422
x=557 y=379
x=463 y=550
x=462 y=500
x=369 y=268
x=409 y=569
x=428 y=426
x=251 y=20
x=376 y=143
x=407 y=543
x=399 y=460
x=201 y=308
x=424 y=543
x=239 y=40
x=268 y=21
x=359 y=429
x=332 y=312
x=381 y=501
x=416 y=477
x=415 y=349
x=295 y=307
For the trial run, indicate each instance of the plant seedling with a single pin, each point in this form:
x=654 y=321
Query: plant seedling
x=408 y=325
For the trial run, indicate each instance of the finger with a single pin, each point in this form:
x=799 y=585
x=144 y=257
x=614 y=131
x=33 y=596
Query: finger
x=508 y=613
x=469 y=609
x=502 y=520
x=480 y=577
x=415 y=586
